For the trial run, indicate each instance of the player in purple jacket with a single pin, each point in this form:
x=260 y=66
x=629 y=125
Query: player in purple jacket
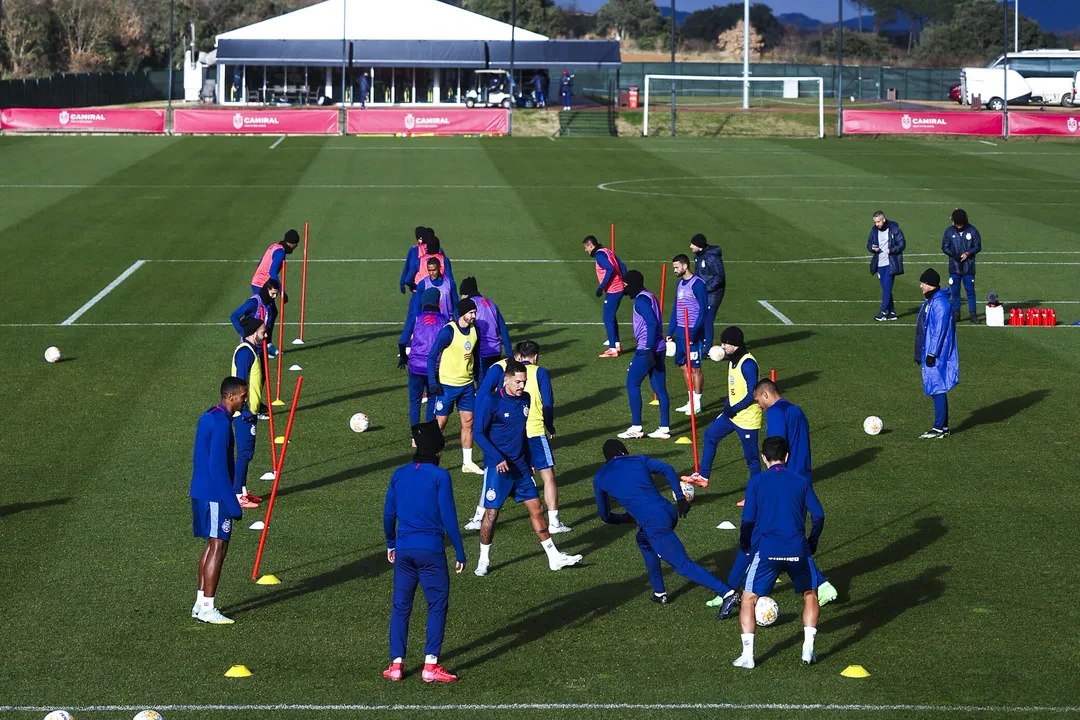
x=490 y=326
x=648 y=358
x=424 y=327
x=447 y=297
x=692 y=301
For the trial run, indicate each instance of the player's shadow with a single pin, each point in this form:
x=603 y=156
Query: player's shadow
x=555 y=372
x=845 y=464
x=1002 y=410
x=568 y=611
x=356 y=395
x=366 y=568
x=806 y=378
x=583 y=542
x=526 y=331
x=589 y=402
x=780 y=339
x=360 y=337
x=345 y=475
x=14 y=508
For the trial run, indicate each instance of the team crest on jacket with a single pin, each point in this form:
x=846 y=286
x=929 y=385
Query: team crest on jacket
x=468 y=345
x=525 y=410
x=438 y=405
x=253 y=431
x=490 y=495
x=226 y=525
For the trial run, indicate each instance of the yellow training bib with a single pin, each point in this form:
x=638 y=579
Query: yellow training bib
x=749 y=418
x=255 y=378
x=456 y=363
x=534 y=426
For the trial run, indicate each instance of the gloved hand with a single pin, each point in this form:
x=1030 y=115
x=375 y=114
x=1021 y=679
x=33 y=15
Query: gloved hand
x=285 y=298
x=402 y=358
x=931 y=361
x=434 y=391
x=411 y=285
x=650 y=359
x=599 y=292
x=683 y=506
x=402 y=289
x=813 y=546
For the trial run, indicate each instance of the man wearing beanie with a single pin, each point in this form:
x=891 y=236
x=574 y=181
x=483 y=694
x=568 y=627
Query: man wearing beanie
x=450 y=377
x=610 y=272
x=962 y=242
x=262 y=307
x=272 y=260
x=490 y=326
x=627 y=480
x=710 y=268
x=247 y=365
x=425 y=327
x=430 y=247
x=442 y=285
x=412 y=264
x=419 y=511
x=648 y=359
x=741 y=414
x=935 y=350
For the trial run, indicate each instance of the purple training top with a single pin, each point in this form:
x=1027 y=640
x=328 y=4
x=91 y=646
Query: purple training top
x=428 y=324
x=487 y=326
x=684 y=298
x=641 y=328
x=446 y=302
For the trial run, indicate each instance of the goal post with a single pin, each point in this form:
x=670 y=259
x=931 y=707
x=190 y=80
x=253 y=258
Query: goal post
x=704 y=93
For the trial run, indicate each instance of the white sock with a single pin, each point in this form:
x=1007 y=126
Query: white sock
x=485 y=554
x=397 y=661
x=697 y=398
x=809 y=633
x=207 y=603
x=634 y=428
x=553 y=517
x=243 y=490
x=748 y=645
x=238 y=496
x=431 y=659
x=479 y=514
x=549 y=548
x=199 y=597
x=466 y=454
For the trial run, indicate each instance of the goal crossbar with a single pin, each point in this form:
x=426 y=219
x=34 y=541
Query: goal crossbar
x=745 y=82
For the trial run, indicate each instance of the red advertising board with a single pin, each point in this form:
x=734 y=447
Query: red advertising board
x=428 y=121
x=1021 y=123
x=322 y=121
x=898 y=122
x=83 y=120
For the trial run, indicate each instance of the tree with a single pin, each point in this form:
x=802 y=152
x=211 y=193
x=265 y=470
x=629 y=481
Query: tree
x=540 y=16
x=731 y=42
x=709 y=23
x=977 y=31
x=25 y=33
x=84 y=27
x=857 y=45
x=630 y=18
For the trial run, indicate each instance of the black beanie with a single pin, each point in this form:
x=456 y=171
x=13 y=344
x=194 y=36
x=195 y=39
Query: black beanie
x=431 y=243
x=468 y=287
x=465 y=306
x=291 y=238
x=614 y=448
x=699 y=241
x=635 y=283
x=420 y=231
x=249 y=325
x=930 y=277
x=429 y=439
x=732 y=336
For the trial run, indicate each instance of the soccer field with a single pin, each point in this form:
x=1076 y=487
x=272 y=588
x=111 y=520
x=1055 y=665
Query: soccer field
x=954 y=559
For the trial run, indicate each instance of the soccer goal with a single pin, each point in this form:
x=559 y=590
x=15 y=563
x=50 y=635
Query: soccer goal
x=783 y=106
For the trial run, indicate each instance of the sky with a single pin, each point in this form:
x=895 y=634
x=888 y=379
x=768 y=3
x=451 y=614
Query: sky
x=824 y=10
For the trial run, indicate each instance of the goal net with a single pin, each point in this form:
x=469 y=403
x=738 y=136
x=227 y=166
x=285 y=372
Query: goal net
x=716 y=105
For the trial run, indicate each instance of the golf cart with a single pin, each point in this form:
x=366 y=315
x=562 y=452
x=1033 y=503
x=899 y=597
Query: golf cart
x=492 y=90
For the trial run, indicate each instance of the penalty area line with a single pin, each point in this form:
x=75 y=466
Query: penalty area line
x=768 y=306
x=108 y=289
x=277 y=142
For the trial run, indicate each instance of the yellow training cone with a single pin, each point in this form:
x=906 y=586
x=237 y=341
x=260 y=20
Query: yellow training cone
x=268 y=579
x=855 y=671
x=278 y=403
x=279 y=440
x=654 y=402
x=683 y=441
x=238 y=671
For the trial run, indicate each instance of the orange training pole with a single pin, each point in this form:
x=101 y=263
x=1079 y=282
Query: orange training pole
x=269 y=406
x=303 y=289
x=612 y=237
x=281 y=335
x=772 y=374
x=689 y=388
x=277 y=477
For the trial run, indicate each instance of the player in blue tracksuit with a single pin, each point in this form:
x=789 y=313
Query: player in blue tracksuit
x=419 y=510
x=709 y=264
x=935 y=350
x=648 y=359
x=501 y=432
x=261 y=306
x=491 y=328
x=961 y=243
x=422 y=331
x=247 y=365
x=774 y=531
x=610 y=274
x=691 y=303
x=213 y=502
x=412 y=260
x=440 y=283
x=627 y=480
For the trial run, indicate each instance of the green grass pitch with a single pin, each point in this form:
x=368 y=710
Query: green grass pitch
x=955 y=560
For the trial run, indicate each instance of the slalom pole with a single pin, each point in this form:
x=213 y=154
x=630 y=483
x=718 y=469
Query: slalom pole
x=269 y=406
x=277 y=477
x=689 y=388
x=663 y=279
x=772 y=374
x=612 y=237
x=303 y=290
x=281 y=335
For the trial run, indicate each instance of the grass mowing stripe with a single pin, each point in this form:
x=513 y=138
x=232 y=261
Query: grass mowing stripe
x=108 y=289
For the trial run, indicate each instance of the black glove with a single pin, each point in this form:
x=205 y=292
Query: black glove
x=434 y=391
x=402 y=358
x=599 y=292
x=402 y=289
x=931 y=361
x=411 y=286
x=683 y=506
x=285 y=298
x=813 y=546
x=650 y=359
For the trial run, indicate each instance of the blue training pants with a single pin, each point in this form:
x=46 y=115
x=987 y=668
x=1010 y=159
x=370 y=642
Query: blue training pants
x=709 y=321
x=886 y=279
x=635 y=375
x=742 y=564
x=611 y=324
x=657 y=540
x=941 y=410
x=969 y=290
x=429 y=570
x=244 y=432
x=417 y=388
x=720 y=428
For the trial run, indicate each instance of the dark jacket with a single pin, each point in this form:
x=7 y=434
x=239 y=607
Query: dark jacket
x=956 y=242
x=710 y=268
x=897 y=243
x=935 y=335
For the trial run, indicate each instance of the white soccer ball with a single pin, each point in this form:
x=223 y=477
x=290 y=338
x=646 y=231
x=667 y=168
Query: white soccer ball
x=687 y=491
x=670 y=348
x=149 y=715
x=53 y=355
x=766 y=611
x=359 y=422
x=716 y=353
x=59 y=714
x=872 y=425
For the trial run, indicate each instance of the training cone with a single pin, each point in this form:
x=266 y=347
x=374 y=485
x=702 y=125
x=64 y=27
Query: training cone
x=295 y=368
x=269 y=475
x=726 y=525
x=278 y=403
x=855 y=671
x=683 y=441
x=654 y=402
x=257 y=525
x=238 y=671
x=280 y=439
x=268 y=579
x=297 y=341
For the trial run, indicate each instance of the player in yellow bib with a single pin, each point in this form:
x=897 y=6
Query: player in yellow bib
x=450 y=377
x=741 y=413
x=247 y=365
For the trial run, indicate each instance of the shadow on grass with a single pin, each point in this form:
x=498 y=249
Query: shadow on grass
x=350 y=396
x=806 y=378
x=1002 y=410
x=14 y=508
x=349 y=474
x=589 y=402
x=360 y=337
x=779 y=339
x=927 y=531
x=852 y=462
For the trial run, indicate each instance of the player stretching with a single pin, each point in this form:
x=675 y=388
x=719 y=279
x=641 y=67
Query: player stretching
x=418 y=511
x=450 y=377
x=247 y=365
x=777 y=501
x=425 y=326
x=610 y=272
x=648 y=359
x=690 y=297
x=541 y=424
x=490 y=326
x=213 y=502
x=500 y=431
x=627 y=479
x=741 y=414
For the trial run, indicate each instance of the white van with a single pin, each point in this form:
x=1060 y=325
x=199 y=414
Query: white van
x=990 y=85
x=1048 y=74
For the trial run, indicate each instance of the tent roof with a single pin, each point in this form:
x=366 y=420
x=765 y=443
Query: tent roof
x=380 y=20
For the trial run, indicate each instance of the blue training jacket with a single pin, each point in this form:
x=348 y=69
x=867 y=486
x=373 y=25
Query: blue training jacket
x=787 y=420
x=419 y=509
x=777 y=501
x=955 y=243
x=935 y=334
x=213 y=460
x=627 y=480
x=897 y=243
x=500 y=430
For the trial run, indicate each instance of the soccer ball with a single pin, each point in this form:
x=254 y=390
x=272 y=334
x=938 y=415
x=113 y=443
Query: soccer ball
x=359 y=422
x=716 y=353
x=766 y=611
x=872 y=425
x=53 y=355
x=671 y=348
x=59 y=714
x=687 y=491
x=148 y=715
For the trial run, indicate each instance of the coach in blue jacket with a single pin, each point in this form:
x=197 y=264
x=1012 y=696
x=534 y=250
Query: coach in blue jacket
x=935 y=350
x=886 y=243
x=709 y=265
x=962 y=242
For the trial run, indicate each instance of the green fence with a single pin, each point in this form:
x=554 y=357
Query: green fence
x=90 y=89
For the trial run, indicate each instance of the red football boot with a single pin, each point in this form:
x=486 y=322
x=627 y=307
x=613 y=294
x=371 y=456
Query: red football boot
x=437 y=673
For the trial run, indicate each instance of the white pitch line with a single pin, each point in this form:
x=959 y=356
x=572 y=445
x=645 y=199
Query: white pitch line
x=397 y=323
x=277 y=142
x=768 y=306
x=108 y=289
x=987 y=142
x=913 y=301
